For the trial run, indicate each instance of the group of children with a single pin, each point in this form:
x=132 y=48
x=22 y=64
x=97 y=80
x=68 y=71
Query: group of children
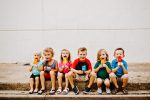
x=81 y=69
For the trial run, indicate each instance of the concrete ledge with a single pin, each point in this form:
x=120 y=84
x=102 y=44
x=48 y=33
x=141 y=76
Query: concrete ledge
x=77 y=97
x=81 y=86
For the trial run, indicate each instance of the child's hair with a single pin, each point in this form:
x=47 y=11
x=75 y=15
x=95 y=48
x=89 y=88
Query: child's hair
x=38 y=53
x=119 y=49
x=61 y=58
x=49 y=50
x=82 y=49
x=99 y=52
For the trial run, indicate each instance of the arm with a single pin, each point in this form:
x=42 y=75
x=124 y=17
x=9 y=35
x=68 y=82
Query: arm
x=41 y=68
x=56 y=67
x=124 y=69
x=76 y=71
x=107 y=68
x=98 y=68
x=115 y=69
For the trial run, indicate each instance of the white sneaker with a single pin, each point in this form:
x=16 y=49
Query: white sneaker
x=108 y=91
x=99 y=90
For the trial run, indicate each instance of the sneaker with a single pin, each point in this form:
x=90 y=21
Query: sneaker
x=125 y=91
x=99 y=91
x=116 y=90
x=76 y=90
x=87 y=90
x=52 y=92
x=108 y=91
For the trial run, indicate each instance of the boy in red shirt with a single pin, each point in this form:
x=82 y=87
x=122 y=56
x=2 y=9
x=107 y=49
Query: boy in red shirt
x=81 y=68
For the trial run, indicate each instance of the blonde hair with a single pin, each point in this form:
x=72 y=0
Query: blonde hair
x=82 y=49
x=69 y=58
x=99 y=52
x=49 y=50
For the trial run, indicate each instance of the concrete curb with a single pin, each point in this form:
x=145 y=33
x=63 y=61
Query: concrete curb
x=76 y=97
x=81 y=86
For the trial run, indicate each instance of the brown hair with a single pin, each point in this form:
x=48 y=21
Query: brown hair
x=98 y=55
x=49 y=50
x=119 y=49
x=82 y=49
x=69 y=58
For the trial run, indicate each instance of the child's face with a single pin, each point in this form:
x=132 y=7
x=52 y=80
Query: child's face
x=48 y=55
x=65 y=54
x=103 y=55
x=37 y=56
x=119 y=53
x=82 y=55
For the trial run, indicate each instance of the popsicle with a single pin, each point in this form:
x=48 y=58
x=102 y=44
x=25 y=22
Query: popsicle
x=64 y=60
x=102 y=61
x=35 y=61
x=119 y=59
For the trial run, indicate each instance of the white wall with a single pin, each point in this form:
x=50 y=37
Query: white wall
x=29 y=25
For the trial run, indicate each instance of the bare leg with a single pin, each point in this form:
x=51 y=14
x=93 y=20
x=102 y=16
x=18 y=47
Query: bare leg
x=53 y=79
x=42 y=78
x=92 y=78
x=36 y=83
x=70 y=78
x=99 y=82
x=60 y=76
x=114 y=80
x=31 y=84
x=66 y=80
x=107 y=83
x=125 y=82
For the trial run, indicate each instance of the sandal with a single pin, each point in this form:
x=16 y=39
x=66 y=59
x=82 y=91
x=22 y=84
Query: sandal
x=35 y=91
x=65 y=91
x=125 y=91
x=41 y=91
x=52 y=92
x=59 y=90
x=31 y=91
x=116 y=90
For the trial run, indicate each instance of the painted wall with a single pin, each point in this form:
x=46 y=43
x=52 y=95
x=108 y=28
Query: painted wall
x=31 y=25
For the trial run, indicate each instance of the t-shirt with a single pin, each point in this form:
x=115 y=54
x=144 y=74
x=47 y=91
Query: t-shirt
x=119 y=72
x=65 y=70
x=45 y=64
x=82 y=64
x=102 y=73
x=35 y=71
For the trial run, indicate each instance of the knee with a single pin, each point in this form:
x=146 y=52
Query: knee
x=69 y=74
x=60 y=75
x=37 y=78
x=52 y=73
x=112 y=75
x=42 y=73
x=99 y=81
x=107 y=82
x=93 y=74
x=125 y=76
x=66 y=75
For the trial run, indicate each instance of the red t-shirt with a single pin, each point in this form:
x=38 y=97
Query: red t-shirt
x=78 y=64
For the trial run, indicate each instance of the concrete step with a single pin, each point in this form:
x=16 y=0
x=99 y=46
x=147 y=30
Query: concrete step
x=23 y=95
x=81 y=86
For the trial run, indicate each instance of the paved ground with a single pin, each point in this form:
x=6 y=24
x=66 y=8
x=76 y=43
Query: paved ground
x=18 y=73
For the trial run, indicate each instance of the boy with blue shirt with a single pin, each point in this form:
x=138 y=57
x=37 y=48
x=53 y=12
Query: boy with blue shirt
x=119 y=71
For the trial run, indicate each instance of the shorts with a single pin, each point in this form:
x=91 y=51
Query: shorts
x=47 y=75
x=34 y=76
x=82 y=77
x=103 y=78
